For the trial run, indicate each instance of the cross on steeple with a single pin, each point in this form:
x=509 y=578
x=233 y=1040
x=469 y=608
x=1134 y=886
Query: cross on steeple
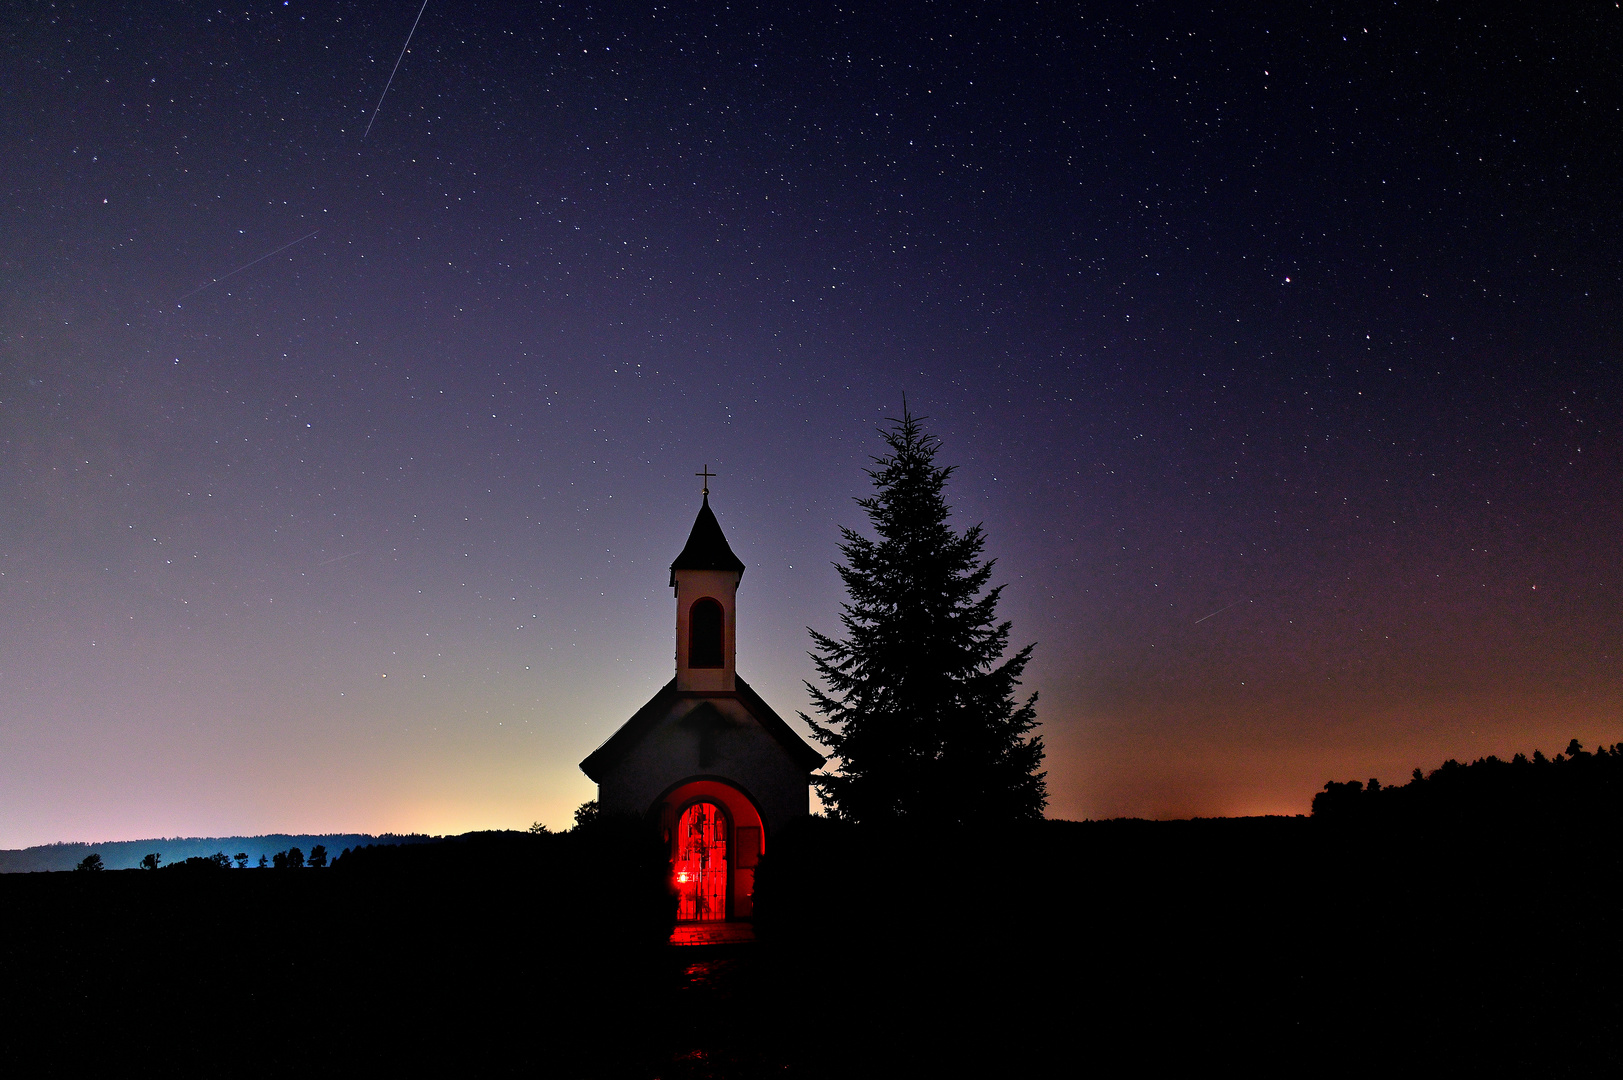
x=707 y=474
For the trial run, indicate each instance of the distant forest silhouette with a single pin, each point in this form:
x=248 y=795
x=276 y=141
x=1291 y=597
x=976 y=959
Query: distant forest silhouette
x=292 y=858
x=1577 y=785
x=174 y=850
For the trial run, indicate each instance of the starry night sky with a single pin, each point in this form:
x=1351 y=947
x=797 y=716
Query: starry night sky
x=1279 y=354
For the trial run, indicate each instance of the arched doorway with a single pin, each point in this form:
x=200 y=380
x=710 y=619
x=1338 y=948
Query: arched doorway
x=701 y=863
x=711 y=825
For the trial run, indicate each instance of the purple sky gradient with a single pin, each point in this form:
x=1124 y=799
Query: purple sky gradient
x=1279 y=355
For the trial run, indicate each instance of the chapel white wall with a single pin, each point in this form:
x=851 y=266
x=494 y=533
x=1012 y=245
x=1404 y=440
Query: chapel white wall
x=742 y=752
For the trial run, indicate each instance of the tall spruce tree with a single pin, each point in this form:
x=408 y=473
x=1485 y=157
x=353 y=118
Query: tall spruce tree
x=918 y=701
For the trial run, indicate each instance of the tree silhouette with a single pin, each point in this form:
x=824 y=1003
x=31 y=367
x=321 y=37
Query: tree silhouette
x=242 y=860
x=919 y=704
x=318 y=857
x=261 y=862
x=295 y=859
x=90 y=862
x=1577 y=785
x=150 y=861
x=278 y=861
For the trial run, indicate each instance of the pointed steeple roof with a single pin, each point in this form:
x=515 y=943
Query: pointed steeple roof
x=706 y=547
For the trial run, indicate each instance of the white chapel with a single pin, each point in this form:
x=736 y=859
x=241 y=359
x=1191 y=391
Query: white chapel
x=707 y=759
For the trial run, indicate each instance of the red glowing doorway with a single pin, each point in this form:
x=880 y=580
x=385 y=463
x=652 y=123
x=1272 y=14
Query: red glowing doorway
x=701 y=863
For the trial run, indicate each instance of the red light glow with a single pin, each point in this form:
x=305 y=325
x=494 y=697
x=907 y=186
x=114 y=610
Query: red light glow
x=701 y=863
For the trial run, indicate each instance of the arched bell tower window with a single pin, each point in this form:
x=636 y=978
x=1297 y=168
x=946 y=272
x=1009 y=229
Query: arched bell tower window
x=705 y=630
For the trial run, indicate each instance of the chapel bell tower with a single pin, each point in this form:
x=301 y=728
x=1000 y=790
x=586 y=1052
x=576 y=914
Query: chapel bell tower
x=705 y=576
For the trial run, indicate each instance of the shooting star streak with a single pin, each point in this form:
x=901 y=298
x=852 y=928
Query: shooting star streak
x=340 y=558
x=397 y=60
x=246 y=265
x=1220 y=611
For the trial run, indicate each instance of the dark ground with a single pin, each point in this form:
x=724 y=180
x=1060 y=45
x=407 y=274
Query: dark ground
x=1265 y=945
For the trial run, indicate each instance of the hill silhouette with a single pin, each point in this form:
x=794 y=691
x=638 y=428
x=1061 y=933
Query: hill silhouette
x=127 y=854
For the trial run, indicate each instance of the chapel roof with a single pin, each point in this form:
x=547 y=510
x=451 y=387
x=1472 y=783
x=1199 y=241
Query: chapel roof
x=706 y=547
x=599 y=761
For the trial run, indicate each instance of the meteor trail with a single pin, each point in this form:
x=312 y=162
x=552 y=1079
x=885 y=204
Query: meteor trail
x=397 y=60
x=246 y=265
x=1219 y=611
x=340 y=558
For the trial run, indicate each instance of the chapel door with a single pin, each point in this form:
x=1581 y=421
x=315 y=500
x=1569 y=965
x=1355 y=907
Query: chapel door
x=701 y=863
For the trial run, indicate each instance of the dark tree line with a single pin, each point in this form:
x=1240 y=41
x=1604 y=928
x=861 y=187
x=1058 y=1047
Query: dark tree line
x=1575 y=785
x=291 y=859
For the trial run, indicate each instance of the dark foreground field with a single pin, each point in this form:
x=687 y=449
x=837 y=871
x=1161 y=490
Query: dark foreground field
x=1268 y=945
